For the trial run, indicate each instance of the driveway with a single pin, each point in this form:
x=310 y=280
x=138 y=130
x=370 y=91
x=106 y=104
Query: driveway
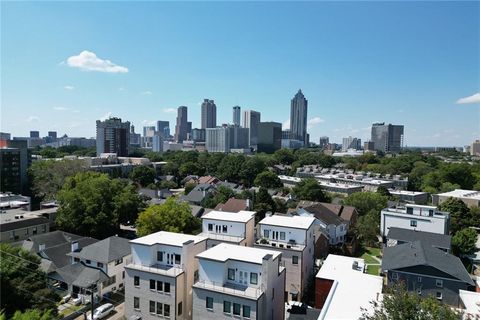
x=118 y=314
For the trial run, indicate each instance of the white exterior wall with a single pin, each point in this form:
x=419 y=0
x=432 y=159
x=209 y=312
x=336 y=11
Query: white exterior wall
x=290 y=233
x=236 y=229
x=435 y=224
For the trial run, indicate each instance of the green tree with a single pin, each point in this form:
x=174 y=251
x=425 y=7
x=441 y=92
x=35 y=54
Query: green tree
x=143 y=175
x=222 y=194
x=173 y=216
x=189 y=187
x=367 y=228
x=23 y=283
x=30 y=314
x=309 y=189
x=49 y=176
x=459 y=213
x=463 y=242
x=92 y=204
x=250 y=169
x=230 y=166
x=399 y=304
x=190 y=168
x=284 y=156
x=381 y=190
x=263 y=203
x=268 y=179
x=364 y=202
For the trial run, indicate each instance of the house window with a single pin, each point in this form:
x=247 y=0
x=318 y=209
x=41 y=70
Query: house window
x=282 y=235
x=266 y=234
x=119 y=261
x=159 y=255
x=394 y=276
x=88 y=261
x=253 y=278
x=152 y=306
x=136 y=303
x=227 y=306
x=152 y=284
x=209 y=303
x=294 y=259
x=419 y=279
x=430 y=213
x=166 y=310
x=210 y=227
x=180 y=308
x=224 y=229
x=195 y=276
x=409 y=210
x=136 y=281
x=159 y=286
x=159 y=308
x=236 y=309
x=439 y=283
x=231 y=274
x=246 y=311
x=177 y=259
x=413 y=223
x=75 y=259
x=439 y=295
x=166 y=287
x=99 y=265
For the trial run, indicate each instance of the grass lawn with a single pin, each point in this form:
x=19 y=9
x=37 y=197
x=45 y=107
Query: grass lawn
x=71 y=309
x=373 y=251
x=368 y=258
x=373 y=270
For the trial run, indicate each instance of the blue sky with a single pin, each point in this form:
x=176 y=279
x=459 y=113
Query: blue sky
x=356 y=62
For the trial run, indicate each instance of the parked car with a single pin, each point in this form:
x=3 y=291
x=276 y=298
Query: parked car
x=66 y=298
x=102 y=311
x=77 y=301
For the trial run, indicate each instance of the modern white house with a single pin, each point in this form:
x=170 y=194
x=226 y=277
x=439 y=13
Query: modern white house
x=231 y=227
x=294 y=237
x=470 y=197
x=158 y=282
x=415 y=217
x=237 y=282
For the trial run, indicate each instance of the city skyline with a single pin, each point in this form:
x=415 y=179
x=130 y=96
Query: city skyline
x=400 y=63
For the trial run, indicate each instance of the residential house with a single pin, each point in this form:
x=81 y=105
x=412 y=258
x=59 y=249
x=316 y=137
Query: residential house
x=234 y=205
x=294 y=237
x=470 y=197
x=199 y=193
x=426 y=270
x=239 y=282
x=17 y=225
x=398 y=236
x=343 y=289
x=231 y=227
x=414 y=217
x=159 y=280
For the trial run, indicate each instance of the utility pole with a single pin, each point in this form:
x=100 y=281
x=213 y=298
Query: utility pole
x=91 y=302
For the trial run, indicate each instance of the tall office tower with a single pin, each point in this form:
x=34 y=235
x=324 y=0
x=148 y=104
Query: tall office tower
x=157 y=142
x=324 y=141
x=163 y=127
x=209 y=114
x=181 y=127
x=15 y=159
x=189 y=127
x=34 y=134
x=52 y=135
x=475 y=148
x=269 y=136
x=236 y=116
x=368 y=146
x=198 y=135
x=298 y=117
x=147 y=139
x=251 y=120
x=387 y=137
x=113 y=136
x=223 y=139
x=135 y=138
x=351 y=143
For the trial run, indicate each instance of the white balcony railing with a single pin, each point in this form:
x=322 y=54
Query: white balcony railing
x=230 y=288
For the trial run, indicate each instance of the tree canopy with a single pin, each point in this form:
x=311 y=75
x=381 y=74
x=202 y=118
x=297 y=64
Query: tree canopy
x=461 y=216
x=92 y=204
x=463 y=242
x=268 y=179
x=23 y=283
x=309 y=189
x=366 y=201
x=173 y=216
x=143 y=175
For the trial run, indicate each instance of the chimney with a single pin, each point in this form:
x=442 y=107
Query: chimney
x=74 y=246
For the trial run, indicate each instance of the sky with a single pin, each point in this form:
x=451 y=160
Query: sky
x=65 y=65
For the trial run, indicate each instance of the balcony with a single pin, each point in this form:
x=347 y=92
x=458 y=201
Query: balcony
x=276 y=244
x=230 y=288
x=223 y=237
x=162 y=269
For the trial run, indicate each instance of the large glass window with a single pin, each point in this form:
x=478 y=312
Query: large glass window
x=253 y=278
x=236 y=309
x=159 y=286
x=159 y=308
x=136 y=303
x=294 y=259
x=136 y=281
x=224 y=229
x=246 y=311
x=209 y=303
x=231 y=274
x=166 y=287
x=152 y=306
x=266 y=233
x=159 y=255
x=210 y=227
x=152 y=284
x=166 y=310
x=227 y=306
x=282 y=235
x=177 y=259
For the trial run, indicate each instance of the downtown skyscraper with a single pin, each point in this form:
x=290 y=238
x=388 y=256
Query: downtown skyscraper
x=181 y=128
x=236 y=116
x=113 y=136
x=209 y=114
x=298 y=117
x=251 y=120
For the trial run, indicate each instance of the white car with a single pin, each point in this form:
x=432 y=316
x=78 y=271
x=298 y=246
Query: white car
x=102 y=311
x=77 y=301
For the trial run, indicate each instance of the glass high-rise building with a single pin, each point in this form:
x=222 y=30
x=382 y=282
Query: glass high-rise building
x=298 y=117
x=209 y=114
x=163 y=128
x=181 y=128
x=113 y=136
x=387 y=137
x=236 y=116
x=251 y=120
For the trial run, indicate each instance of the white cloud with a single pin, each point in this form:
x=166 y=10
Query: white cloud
x=148 y=122
x=106 y=116
x=146 y=93
x=170 y=110
x=60 y=108
x=70 y=88
x=315 y=121
x=33 y=119
x=88 y=61
x=475 y=98
x=286 y=125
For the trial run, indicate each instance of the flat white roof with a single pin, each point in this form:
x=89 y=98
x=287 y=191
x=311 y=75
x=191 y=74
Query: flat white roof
x=223 y=252
x=241 y=216
x=460 y=193
x=471 y=301
x=406 y=192
x=299 y=222
x=352 y=289
x=168 y=238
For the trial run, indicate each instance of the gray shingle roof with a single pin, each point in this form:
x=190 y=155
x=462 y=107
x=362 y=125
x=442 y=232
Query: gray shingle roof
x=197 y=194
x=418 y=254
x=79 y=275
x=407 y=235
x=107 y=250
